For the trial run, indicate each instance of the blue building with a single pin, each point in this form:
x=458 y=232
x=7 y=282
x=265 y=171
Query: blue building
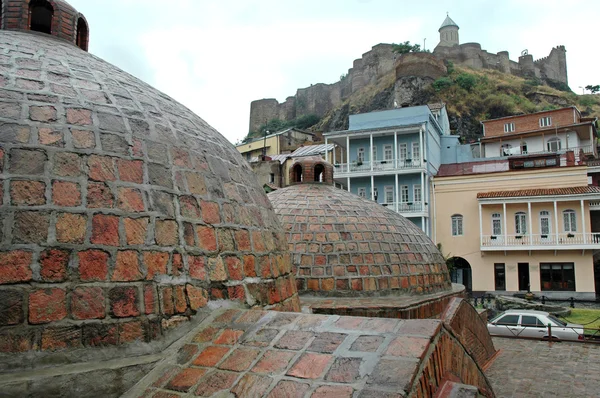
x=390 y=156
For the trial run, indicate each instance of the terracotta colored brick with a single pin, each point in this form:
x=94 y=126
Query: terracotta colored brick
x=249 y=266
x=130 y=331
x=207 y=239
x=131 y=170
x=217 y=381
x=234 y=268
x=197 y=266
x=181 y=157
x=236 y=293
x=27 y=193
x=225 y=239
x=124 y=301
x=189 y=206
x=99 y=196
x=197 y=296
x=240 y=359
x=66 y=193
x=105 y=230
x=294 y=340
x=42 y=113
x=327 y=284
x=367 y=343
x=150 y=299
x=177 y=264
x=210 y=212
x=127 y=267
x=59 y=338
x=333 y=391
x=130 y=200
x=80 y=117
x=70 y=228
x=273 y=362
x=50 y=137
x=93 y=265
x=251 y=385
x=135 y=230
x=205 y=335
x=413 y=347
x=180 y=301
x=54 y=265
x=137 y=149
x=216 y=269
x=258 y=242
x=185 y=379
x=356 y=284
x=229 y=337
x=101 y=168
x=166 y=233
x=210 y=356
x=289 y=389
x=313 y=284
x=83 y=139
x=47 y=305
x=156 y=263
x=310 y=366
x=87 y=303
x=344 y=370
x=326 y=342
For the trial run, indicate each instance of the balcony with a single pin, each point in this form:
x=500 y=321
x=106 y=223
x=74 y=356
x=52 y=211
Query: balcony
x=407 y=208
x=561 y=241
x=378 y=166
x=580 y=152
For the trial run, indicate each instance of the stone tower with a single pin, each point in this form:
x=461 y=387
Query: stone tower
x=448 y=33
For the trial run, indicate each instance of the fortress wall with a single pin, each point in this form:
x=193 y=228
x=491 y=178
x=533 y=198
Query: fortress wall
x=261 y=111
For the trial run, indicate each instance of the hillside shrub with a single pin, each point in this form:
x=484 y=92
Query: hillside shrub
x=442 y=83
x=466 y=81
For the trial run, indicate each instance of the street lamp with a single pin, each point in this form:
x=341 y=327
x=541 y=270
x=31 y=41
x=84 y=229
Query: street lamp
x=582 y=90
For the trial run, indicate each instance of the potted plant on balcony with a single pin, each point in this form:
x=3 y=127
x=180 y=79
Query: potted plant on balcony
x=519 y=237
x=493 y=237
x=359 y=163
x=570 y=235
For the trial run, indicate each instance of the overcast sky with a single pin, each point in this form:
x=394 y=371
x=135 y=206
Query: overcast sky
x=216 y=56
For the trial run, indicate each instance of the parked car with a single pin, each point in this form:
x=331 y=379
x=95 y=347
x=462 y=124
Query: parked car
x=529 y=323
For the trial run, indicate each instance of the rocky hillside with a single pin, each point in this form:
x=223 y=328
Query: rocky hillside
x=470 y=96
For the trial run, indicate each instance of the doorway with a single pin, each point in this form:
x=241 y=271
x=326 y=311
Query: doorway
x=461 y=272
x=523 y=272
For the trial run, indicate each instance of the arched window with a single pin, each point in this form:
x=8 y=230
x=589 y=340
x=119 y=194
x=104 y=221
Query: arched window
x=554 y=144
x=545 y=225
x=520 y=223
x=319 y=170
x=40 y=16
x=496 y=224
x=570 y=220
x=297 y=173
x=82 y=34
x=457 y=225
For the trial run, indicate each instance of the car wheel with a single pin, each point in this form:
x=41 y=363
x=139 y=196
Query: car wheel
x=554 y=338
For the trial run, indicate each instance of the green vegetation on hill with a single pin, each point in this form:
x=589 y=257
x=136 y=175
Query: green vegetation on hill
x=274 y=125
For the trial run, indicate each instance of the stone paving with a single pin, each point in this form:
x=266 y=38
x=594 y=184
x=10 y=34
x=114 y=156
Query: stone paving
x=529 y=368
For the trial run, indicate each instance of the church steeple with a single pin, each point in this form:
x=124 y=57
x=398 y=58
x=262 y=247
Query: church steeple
x=448 y=33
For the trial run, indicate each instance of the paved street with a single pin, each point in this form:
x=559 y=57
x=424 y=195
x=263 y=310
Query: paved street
x=527 y=368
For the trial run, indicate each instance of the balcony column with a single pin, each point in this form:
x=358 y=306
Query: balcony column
x=421 y=149
x=556 y=221
x=396 y=189
x=530 y=223
x=423 y=190
x=348 y=158
x=371 y=150
x=372 y=187
x=326 y=153
x=480 y=226
x=505 y=226
x=332 y=150
x=395 y=150
x=592 y=143
x=583 y=221
x=348 y=180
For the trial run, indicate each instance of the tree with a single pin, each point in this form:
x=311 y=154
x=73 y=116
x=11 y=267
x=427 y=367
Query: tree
x=406 y=47
x=593 y=89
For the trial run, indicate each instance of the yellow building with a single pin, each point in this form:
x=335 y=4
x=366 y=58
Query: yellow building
x=285 y=141
x=512 y=228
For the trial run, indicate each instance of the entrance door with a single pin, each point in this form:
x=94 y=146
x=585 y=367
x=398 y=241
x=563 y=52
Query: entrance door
x=523 y=276
x=597 y=277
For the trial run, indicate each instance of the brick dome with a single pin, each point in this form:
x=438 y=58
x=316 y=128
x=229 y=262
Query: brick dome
x=120 y=210
x=342 y=244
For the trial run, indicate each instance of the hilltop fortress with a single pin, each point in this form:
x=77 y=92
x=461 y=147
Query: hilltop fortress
x=321 y=98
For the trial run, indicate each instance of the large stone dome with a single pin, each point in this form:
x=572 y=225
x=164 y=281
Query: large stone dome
x=120 y=209
x=346 y=245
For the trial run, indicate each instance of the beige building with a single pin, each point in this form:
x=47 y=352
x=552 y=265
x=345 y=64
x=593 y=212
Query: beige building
x=285 y=141
x=513 y=228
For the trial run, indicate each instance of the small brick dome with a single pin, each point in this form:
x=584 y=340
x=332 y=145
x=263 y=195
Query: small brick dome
x=346 y=245
x=120 y=209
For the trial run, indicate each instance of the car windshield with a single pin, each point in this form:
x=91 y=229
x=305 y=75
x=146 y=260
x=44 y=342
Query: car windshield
x=557 y=321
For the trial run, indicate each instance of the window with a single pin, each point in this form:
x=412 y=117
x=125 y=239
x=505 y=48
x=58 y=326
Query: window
x=387 y=153
x=272 y=178
x=457 y=225
x=570 y=221
x=554 y=144
x=374 y=154
x=557 y=276
x=509 y=127
x=362 y=192
x=416 y=154
x=82 y=34
x=375 y=194
x=404 y=193
x=520 y=223
x=523 y=147
x=360 y=155
x=40 y=16
x=531 y=321
x=297 y=173
x=417 y=194
x=545 y=226
x=319 y=171
x=499 y=276
x=496 y=224
x=402 y=152
x=505 y=149
x=545 y=121
x=510 y=320
x=389 y=194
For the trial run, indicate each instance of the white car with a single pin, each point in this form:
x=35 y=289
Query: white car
x=533 y=324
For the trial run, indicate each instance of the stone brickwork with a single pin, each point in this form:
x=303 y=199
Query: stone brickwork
x=253 y=353
x=344 y=244
x=311 y=169
x=121 y=212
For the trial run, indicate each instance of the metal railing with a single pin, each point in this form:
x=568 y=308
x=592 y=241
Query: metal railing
x=578 y=151
x=407 y=207
x=552 y=239
x=378 y=165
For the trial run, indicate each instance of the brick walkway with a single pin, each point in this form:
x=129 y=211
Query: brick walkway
x=527 y=368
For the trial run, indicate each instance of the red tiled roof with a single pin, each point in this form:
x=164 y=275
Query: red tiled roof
x=483 y=166
x=539 y=192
